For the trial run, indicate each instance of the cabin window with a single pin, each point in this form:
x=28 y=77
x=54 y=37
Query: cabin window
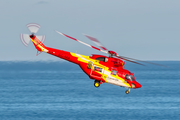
x=113 y=72
x=104 y=59
x=97 y=69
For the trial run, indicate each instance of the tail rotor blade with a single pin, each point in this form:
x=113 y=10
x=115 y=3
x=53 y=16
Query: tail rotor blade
x=41 y=38
x=25 y=39
x=33 y=27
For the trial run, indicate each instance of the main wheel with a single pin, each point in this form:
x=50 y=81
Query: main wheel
x=96 y=83
x=127 y=91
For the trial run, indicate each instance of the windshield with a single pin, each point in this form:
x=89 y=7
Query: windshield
x=132 y=77
x=129 y=77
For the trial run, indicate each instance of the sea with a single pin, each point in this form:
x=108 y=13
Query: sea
x=59 y=90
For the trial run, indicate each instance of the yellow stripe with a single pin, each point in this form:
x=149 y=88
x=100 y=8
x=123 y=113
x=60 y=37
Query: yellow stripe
x=42 y=48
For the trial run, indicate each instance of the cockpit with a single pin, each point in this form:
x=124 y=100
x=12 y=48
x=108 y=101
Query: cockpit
x=130 y=77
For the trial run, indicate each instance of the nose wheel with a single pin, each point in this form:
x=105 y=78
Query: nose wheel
x=96 y=83
x=127 y=91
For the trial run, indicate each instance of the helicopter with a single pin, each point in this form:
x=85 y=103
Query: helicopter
x=100 y=68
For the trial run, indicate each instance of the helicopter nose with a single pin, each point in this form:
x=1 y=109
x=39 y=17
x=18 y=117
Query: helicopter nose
x=138 y=85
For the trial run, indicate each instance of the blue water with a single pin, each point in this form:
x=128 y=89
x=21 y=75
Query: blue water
x=60 y=90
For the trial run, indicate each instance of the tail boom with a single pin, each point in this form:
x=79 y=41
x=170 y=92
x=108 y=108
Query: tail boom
x=38 y=44
x=58 y=53
x=63 y=55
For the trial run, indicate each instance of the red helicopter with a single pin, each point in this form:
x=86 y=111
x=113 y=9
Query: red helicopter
x=100 y=68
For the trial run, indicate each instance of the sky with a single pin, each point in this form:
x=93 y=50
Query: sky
x=141 y=29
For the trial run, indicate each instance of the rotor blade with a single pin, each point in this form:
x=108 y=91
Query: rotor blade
x=41 y=38
x=130 y=60
x=33 y=27
x=140 y=60
x=25 y=39
x=96 y=42
x=82 y=42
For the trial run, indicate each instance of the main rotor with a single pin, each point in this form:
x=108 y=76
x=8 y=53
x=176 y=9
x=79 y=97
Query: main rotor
x=110 y=52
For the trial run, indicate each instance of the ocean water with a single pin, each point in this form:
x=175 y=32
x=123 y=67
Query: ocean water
x=60 y=90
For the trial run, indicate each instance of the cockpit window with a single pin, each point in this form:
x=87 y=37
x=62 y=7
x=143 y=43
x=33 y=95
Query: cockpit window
x=127 y=77
x=104 y=59
x=132 y=78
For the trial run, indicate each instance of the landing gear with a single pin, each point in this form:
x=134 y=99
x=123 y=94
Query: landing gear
x=127 y=91
x=96 y=83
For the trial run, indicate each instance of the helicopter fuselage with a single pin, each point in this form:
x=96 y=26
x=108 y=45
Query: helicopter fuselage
x=100 y=68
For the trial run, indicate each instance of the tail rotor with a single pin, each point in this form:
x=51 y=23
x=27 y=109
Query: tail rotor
x=33 y=28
